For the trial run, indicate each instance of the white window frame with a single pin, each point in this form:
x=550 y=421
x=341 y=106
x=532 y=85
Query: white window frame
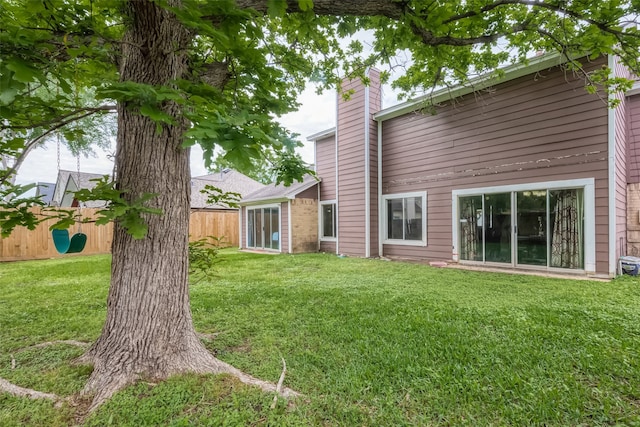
x=588 y=186
x=385 y=232
x=255 y=207
x=320 y=222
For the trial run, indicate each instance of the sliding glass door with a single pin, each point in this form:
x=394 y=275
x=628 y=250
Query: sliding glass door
x=542 y=228
x=263 y=228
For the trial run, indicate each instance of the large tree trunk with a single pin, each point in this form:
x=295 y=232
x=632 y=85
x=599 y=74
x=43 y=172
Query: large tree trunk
x=149 y=332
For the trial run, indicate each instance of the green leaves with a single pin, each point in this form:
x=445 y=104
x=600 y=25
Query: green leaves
x=16 y=210
x=215 y=196
x=290 y=167
x=128 y=214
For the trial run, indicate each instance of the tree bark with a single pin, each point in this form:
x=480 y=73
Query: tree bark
x=148 y=331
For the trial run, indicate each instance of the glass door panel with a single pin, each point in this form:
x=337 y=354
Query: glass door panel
x=267 y=227
x=275 y=229
x=258 y=222
x=497 y=227
x=566 y=219
x=251 y=230
x=470 y=223
x=532 y=227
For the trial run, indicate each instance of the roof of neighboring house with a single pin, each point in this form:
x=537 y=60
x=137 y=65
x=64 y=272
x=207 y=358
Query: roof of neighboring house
x=69 y=181
x=228 y=180
x=280 y=193
x=46 y=190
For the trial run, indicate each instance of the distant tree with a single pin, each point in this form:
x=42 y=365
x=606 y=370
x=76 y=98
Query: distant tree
x=219 y=73
x=268 y=168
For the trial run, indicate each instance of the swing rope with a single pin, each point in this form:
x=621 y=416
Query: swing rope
x=61 y=240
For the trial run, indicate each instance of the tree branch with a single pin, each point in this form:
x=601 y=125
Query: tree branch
x=34 y=142
x=430 y=39
x=60 y=119
x=390 y=9
x=536 y=4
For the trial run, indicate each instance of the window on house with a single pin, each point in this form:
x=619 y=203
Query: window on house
x=406 y=221
x=328 y=220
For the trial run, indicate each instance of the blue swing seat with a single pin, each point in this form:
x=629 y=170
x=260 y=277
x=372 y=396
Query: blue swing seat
x=66 y=245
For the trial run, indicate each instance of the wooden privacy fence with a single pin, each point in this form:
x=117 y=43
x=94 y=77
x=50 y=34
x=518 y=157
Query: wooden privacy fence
x=24 y=244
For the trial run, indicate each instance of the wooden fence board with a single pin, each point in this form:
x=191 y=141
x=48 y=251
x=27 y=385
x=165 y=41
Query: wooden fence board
x=24 y=244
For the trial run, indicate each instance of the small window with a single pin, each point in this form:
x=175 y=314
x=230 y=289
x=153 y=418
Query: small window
x=328 y=221
x=406 y=221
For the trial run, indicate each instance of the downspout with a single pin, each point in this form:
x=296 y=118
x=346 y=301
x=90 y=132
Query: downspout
x=315 y=169
x=289 y=236
x=611 y=134
x=380 y=215
x=337 y=177
x=319 y=218
x=367 y=176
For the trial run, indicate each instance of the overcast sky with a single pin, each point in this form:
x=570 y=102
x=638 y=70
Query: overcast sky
x=316 y=113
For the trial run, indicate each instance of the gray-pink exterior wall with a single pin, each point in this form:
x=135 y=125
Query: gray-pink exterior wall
x=326 y=169
x=633 y=136
x=537 y=128
x=621 y=165
x=355 y=127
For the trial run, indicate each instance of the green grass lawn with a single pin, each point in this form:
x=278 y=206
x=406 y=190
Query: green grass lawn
x=368 y=343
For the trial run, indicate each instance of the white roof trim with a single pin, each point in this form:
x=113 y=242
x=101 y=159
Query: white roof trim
x=635 y=89
x=319 y=135
x=287 y=196
x=511 y=72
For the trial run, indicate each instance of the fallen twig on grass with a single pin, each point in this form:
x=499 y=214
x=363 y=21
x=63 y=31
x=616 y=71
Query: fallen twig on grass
x=279 y=385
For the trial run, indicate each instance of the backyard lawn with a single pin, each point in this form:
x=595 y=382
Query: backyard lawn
x=367 y=343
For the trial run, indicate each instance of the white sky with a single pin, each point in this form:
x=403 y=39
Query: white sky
x=316 y=113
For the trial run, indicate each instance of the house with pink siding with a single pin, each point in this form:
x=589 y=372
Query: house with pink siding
x=527 y=171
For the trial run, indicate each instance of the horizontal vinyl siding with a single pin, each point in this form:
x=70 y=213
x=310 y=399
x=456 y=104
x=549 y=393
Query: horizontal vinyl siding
x=328 y=247
x=633 y=135
x=375 y=102
x=621 y=168
x=309 y=193
x=326 y=167
x=351 y=187
x=533 y=129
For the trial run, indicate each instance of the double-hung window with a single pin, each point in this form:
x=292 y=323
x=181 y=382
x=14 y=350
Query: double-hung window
x=406 y=218
x=328 y=220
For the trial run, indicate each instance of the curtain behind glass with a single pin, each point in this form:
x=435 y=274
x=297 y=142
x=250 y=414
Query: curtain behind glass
x=567 y=241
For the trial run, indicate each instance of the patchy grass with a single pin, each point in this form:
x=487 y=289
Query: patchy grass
x=367 y=342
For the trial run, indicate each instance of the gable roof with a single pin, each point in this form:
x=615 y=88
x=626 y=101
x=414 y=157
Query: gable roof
x=280 y=193
x=69 y=181
x=228 y=180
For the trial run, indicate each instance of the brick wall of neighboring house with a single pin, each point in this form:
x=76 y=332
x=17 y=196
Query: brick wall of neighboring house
x=304 y=225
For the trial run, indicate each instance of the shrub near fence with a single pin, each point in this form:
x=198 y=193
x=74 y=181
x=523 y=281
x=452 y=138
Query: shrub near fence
x=24 y=244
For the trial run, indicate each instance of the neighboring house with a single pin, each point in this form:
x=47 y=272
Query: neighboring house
x=529 y=171
x=279 y=218
x=228 y=181
x=45 y=191
x=69 y=182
